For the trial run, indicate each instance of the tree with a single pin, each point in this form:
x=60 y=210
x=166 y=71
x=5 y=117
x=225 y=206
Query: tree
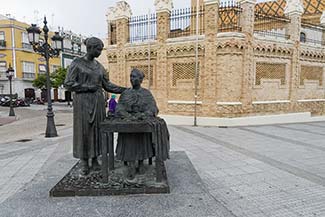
x=40 y=81
x=58 y=77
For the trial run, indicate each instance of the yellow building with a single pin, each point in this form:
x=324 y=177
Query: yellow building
x=16 y=50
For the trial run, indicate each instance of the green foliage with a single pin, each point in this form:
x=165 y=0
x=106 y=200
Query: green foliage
x=40 y=82
x=58 y=77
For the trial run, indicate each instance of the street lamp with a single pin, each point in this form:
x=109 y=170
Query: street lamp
x=47 y=52
x=10 y=73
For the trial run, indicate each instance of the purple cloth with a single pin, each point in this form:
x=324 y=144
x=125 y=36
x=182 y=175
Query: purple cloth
x=112 y=105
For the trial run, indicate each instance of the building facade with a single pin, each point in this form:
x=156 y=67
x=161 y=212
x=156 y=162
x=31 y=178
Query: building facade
x=253 y=58
x=73 y=47
x=16 y=51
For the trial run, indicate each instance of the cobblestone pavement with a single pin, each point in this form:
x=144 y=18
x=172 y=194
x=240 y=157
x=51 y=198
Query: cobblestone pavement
x=265 y=171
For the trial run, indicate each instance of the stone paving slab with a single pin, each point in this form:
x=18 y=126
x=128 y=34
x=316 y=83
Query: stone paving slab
x=6 y=120
x=264 y=171
x=188 y=197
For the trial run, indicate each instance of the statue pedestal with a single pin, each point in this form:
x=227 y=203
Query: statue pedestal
x=110 y=178
x=73 y=184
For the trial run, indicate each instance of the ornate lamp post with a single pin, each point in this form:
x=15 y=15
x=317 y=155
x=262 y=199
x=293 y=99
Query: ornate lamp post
x=10 y=73
x=47 y=52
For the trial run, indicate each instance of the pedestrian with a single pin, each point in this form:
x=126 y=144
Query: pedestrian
x=112 y=105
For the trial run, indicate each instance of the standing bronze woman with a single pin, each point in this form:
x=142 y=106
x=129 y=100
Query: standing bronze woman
x=86 y=78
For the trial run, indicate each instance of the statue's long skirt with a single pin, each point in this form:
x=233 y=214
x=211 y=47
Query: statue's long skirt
x=88 y=112
x=134 y=146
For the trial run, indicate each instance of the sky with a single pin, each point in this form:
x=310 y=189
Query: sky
x=86 y=17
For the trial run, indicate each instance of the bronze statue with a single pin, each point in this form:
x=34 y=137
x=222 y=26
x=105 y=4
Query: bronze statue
x=136 y=103
x=86 y=78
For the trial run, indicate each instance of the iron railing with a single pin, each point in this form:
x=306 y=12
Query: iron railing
x=312 y=34
x=142 y=28
x=229 y=16
x=183 y=22
x=271 y=26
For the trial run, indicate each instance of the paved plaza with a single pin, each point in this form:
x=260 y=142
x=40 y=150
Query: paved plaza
x=264 y=171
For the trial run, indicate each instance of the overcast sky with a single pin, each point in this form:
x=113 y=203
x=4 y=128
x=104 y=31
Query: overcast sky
x=85 y=17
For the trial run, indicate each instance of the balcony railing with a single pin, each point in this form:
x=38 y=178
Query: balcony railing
x=312 y=34
x=28 y=75
x=26 y=46
x=3 y=43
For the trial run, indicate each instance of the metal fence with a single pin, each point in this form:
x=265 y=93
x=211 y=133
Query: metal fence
x=229 y=16
x=142 y=28
x=183 y=22
x=312 y=34
x=271 y=26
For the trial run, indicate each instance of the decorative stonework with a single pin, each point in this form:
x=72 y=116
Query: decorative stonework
x=322 y=19
x=263 y=46
x=314 y=73
x=209 y=2
x=111 y=14
x=227 y=66
x=163 y=5
x=231 y=43
x=294 y=7
x=122 y=10
x=308 y=52
x=183 y=49
x=270 y=71
x=140 y=54
x=246 y=1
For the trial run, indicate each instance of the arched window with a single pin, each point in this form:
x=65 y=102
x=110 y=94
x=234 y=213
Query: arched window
x=303 y=37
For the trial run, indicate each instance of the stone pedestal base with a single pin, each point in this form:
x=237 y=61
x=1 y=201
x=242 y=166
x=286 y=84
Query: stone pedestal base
x=73 y=184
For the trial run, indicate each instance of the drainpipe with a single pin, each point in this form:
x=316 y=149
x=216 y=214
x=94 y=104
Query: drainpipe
x=13 y=46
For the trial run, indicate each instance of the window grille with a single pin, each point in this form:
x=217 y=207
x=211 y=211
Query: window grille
x=183 y=74
x=25 y=41
x=311 y=73
x=3 y=69
x=28 y=70
x=2 y=36
x=41 y=69
x=270 y=71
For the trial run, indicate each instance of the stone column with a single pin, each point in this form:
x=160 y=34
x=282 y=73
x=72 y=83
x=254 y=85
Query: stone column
x=247 y=16
x=110 y=18
x=208 y=82
x=294 y=10
x=163 y=8
x=122 y=15
x=322 y=23
x=247 y=23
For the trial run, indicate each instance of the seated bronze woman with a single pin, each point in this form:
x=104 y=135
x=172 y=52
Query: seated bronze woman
x=136 y=103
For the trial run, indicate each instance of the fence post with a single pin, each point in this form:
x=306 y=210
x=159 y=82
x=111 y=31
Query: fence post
x=322 y=23
x=163 y=9
x=209 y=75
x=247 y=19
x=122 y=15
x=247 y=16
x=294 y=10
